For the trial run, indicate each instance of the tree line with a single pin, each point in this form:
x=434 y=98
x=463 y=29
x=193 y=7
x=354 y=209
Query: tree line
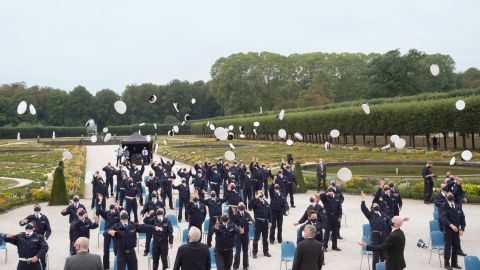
x=242 y=83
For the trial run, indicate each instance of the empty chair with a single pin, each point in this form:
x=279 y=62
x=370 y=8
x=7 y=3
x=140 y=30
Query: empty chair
x=206 y=223
x=434 y=226
x=435 y=216
x=380 y=266
x=101 y=230
x=366 y=230
x=287 y=253
x=173 y=219
x=364 y=252
x=177 y=206
x=140 y=235
x=472 y=263
x=111 y=247
x=438 y=243
x=213 y=262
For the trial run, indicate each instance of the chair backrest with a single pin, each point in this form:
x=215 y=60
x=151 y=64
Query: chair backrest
x=101 y=226
x=184 y=236
x=366 y=240
x=435 y=209
x=111 y=248
x=435 y=215
x=141 y=235
x=434 y=226
x=287 y=250
x=206 y=223
x=472 y=263
x=150 y=252
x=173 y=220
x=213 y=262
x=437 y=239
x=251 y=232
x=366 y=230
x=380 y=266
x=177 y=203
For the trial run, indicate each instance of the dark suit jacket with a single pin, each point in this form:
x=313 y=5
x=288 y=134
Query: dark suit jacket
x=308 y=255
x=192 y=256
x=83 y=260
x=393 y=246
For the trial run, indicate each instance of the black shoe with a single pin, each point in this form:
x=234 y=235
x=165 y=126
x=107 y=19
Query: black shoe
x=111 y=194
x=448 y=267
x=461 y=253
x=254 y=256
x=272 y=242
x=340 y=238
x=235 y=267
x=279 y=241
x=324 y=249
x=267 y=254
x=293 y=206
x=245 y=268
x=456 y=266
x=336 y=249
x=145 y=253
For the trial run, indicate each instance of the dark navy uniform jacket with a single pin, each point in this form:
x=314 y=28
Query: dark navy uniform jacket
x=243 y=220
x=167 y=230
x=453 y=216
x=333 y=207
x=321 y=214
x=377 y=222
x=215 y=179
x=111 y=218
x=153 y=184
x=278 y=202
x=71 y=211
x=214 y=206
x=126 y=236
x=168 y=166
x=29 y=246
x=261 y=209
x=318 y=227
x=225 y=236
x=183 y=191
x=196 y=214
x=82 y=228
x=42 y=225
x=232 y=198
x=150 y=205
x=109 y=171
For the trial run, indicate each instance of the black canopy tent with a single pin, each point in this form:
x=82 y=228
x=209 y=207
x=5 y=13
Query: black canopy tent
x=135 y=144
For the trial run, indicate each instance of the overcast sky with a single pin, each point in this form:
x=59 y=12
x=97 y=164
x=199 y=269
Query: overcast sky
x=112 y=43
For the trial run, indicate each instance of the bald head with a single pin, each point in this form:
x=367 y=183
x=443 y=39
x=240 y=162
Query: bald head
x=397 y=221
x=194 y=234
x=81 y=244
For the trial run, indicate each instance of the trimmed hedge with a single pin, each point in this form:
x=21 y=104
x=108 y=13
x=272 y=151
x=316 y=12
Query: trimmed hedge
x=407 y=118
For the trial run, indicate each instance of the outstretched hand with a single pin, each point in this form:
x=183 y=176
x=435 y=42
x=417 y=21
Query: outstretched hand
x=362 y=243
x=363 y=195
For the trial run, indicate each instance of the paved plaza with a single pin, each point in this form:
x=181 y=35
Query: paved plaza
x=348 y=258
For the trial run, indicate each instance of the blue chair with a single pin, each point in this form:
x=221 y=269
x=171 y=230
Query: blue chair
x=438 y=243
x=101 y=230
x=177 y=206
x=115 y=267
x=144 y=191
x=173 y=219
x=366 y=231
x=364 y=252
x=206 y=223
x=3 y=245
x=213 y=262
x=287 y=253
x=434 y=226
x=111 y=247
x=251 y=236
x=472 y=263
x=380 y=266
x=184 y=236
x=150 y=256
x=140 y=235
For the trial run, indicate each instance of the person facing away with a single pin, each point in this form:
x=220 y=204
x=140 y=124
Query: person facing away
x=83 y=259
x=394 y=246
x=309 y=252
x=193 y=255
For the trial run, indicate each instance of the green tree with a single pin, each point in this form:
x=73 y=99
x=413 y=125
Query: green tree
x=318 y=93
x=80 y=107
x=59 y=189
x=299 y=177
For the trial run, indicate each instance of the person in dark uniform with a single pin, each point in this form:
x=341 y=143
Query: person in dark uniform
x=290 y=181
x=197 y=212
x=279 y=208
x=279 y=180
x=81 y=227
x=453 y=221
x=313 y=221
x=166 y=182
x=111 y=217
x=41 y=225
x=122 y=185
x=31 y=246
x=441 y=200
x=378 y=228
x=263 y=221
x=397 y=199
x=248 y=186
x=200 y=184
x=225 y=233
x=243 y=220
x=333 y=208
x=266 y=173
x=183 y=198
x=94 y=183
x=338 y=194
x=136 y=174
x=100 y=189
x=321 y=175
x=383 y=197
x=428 y=177
x=162 y=239
x=168 y=165
x=109 y=173
x=153 y=184
x=131 y=195
x=150 y=208
x=215 y=210
x=215 y=181
x=318 y=208
x=71 y=211
x=185 y=174
x=124 y=234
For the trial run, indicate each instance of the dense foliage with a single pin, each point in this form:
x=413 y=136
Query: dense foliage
x=241 y=83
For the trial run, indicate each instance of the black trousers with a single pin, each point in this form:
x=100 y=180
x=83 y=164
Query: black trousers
x=121 y=197
x=332 y=228
x=129 y=260
x=224 y=259
x=107 y=239
x=261 y=228
x=148 y=239
x=427 y=191
x=211 y=223
x=109 y=182
x=377 y=238
x=139 y=187
x=265 y=187
x=289 y=191
x=321 y=182
x=29 y=266
x=167 y=193
x=182 y=204
x=132 y=206
x=452 y=244
x=241 y=245
x=94 y=200
x=277 y=222
x=160 y=250
x=247 y=194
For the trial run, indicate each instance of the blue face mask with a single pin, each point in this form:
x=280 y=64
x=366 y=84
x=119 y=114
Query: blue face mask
x=124 y=216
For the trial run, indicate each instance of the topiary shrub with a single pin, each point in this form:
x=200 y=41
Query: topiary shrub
x=300 y=180
x=59 y=189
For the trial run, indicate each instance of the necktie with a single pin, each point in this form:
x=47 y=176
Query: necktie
x=453 y=206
